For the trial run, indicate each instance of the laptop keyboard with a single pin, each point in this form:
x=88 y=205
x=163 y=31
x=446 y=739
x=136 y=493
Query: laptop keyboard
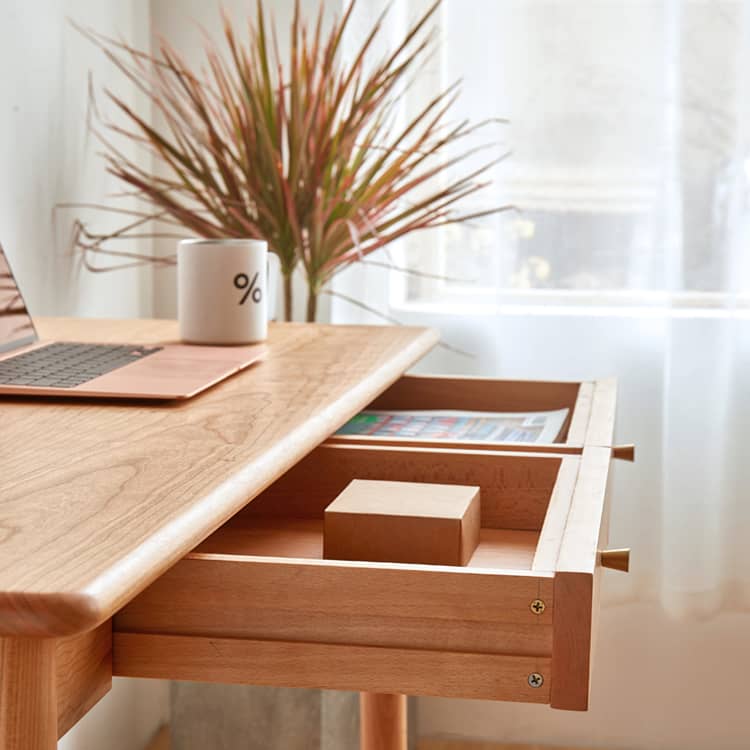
x=64 y=365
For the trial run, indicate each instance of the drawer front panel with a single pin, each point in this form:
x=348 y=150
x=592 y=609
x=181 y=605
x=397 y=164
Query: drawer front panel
x=352 y=603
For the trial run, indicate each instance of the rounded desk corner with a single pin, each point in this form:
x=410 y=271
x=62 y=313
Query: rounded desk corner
x=40 y=615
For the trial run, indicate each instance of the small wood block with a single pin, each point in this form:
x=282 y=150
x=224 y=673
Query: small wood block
x=405 y=522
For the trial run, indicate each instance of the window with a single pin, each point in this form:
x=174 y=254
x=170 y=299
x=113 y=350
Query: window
x=630 y=140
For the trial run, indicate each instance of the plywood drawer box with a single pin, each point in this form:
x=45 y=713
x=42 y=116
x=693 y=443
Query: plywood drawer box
x=256 y=602
x=591 y=406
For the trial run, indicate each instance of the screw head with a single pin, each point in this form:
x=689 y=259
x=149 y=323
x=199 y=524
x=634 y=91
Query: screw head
x=536 y=680
x=537 y=606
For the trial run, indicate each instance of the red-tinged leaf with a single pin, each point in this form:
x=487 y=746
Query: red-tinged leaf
x=302 y=152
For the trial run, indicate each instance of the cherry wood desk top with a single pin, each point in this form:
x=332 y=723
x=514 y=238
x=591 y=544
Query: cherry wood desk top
x=98 y=499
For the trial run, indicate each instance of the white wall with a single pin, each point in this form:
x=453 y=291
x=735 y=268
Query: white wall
x=47 y=156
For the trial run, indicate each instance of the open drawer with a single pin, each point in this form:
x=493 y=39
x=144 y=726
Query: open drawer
x=256 y=603
x=590 y=419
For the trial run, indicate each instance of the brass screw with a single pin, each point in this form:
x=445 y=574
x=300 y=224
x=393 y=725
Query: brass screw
x=536 y=680
x=537 y=606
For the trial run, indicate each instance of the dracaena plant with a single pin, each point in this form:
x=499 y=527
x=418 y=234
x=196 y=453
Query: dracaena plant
x=310 y=153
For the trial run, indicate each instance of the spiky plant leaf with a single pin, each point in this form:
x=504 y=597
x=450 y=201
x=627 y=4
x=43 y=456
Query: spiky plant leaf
x=300 y=152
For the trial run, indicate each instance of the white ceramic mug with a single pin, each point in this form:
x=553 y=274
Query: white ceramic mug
x=226 y=290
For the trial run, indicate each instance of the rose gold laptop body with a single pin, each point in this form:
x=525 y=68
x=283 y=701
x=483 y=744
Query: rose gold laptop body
x=177 y=371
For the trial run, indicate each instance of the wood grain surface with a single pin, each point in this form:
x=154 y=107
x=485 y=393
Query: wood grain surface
x=332 y=667
x=28 y=704
x=471 y=393
x=602 y=420
x=578 y=421
x=302 y=538
x=382 y=721
x=83 y=664
x=330 y=601
x=408 y=522
x=553 y=529
x=576 y=577
x=99 y=498
x=515 y=487
x=590 y=422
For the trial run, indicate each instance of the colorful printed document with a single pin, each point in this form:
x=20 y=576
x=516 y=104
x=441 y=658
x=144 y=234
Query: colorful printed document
x=459 y=426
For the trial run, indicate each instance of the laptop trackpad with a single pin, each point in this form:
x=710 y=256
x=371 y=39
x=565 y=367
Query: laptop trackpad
x=177 y=371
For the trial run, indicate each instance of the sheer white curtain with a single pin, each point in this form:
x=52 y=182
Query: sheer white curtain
x=629 y=255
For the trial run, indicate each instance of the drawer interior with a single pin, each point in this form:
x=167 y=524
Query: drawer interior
x=286 y=520
x=418 y=392
x=256 y=603
x=262 y=575
x=477 y=394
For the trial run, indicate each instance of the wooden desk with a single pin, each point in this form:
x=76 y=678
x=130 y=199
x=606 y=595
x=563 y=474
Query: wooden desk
x=142 y=513
x=98 y=499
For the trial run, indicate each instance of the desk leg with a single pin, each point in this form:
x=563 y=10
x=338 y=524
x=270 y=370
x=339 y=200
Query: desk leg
x=28 y=703
x=382 y=721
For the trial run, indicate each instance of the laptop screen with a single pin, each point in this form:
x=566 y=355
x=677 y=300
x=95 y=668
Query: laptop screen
x=16 y=326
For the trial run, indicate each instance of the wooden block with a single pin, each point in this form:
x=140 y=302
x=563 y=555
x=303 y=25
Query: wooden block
x=405 y=522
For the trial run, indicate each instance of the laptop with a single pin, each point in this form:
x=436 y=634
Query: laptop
x=30 y=367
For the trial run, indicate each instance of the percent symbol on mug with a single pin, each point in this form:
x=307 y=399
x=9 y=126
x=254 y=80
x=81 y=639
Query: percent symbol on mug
x=242 y=281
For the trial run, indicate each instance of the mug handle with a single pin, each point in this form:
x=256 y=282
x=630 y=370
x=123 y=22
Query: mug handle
x=273 y=270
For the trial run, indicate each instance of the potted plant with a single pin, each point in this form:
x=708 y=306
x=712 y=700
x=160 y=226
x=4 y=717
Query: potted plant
x=303 y=152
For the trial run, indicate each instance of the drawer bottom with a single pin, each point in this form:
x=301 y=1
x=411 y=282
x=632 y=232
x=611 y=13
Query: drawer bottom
x=302 y=538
